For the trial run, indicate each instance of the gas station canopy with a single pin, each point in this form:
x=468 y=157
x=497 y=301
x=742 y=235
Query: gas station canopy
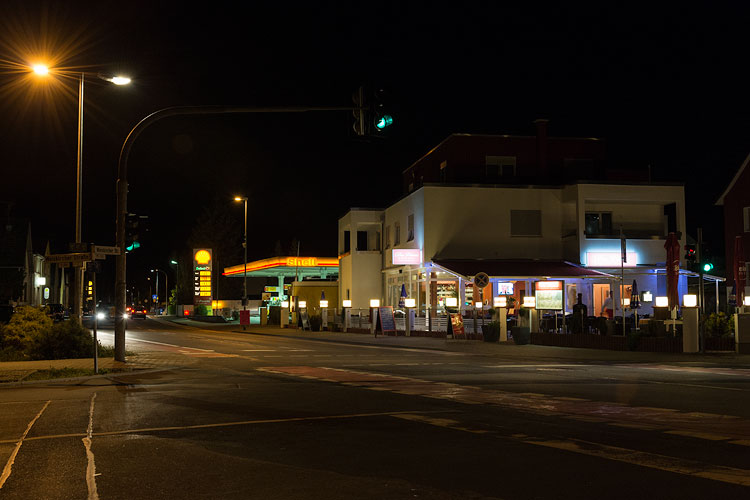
x=284 y=267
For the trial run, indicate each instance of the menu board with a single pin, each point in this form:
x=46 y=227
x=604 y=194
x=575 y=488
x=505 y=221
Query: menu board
x=202 y=277
x=387 y=320
x=457 y=325
x=549 y=295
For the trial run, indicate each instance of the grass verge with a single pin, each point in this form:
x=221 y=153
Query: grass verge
x=54 y=373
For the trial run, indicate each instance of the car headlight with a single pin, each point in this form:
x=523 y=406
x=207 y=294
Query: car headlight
x=100 y=315
x=126 y=316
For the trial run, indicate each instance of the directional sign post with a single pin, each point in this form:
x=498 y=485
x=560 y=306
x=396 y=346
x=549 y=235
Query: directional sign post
x=101 y=252
x=481 y=280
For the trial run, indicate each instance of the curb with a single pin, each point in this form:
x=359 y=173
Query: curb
x=87 y=377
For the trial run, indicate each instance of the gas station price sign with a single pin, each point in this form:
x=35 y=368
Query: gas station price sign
x=202 y=276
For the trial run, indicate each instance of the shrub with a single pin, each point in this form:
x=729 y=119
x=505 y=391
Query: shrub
x=633 y=340
x=719 y=325
x=67 y=339
x=200 y=310
x=26 y=324
x=491 y=331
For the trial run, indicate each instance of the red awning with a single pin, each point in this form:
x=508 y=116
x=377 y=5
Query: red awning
x=519 y=268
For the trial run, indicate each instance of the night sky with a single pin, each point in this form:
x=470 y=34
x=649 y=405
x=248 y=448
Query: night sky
x=664 y=87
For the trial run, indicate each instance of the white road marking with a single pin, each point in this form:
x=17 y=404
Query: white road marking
x=90 y=465
x=258 y=350
x=9 y=465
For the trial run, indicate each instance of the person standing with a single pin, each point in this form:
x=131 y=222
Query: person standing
x=608 y=307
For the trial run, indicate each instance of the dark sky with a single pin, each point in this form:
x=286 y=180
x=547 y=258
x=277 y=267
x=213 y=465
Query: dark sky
x=665 y=87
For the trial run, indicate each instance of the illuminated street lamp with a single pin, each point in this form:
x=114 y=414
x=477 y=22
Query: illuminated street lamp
x=166 y=286
x=244 y=245
x=44 y=71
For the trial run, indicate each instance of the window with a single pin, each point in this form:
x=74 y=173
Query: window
x=525 y=222
x=410 y=228
x=500 y=166
x=361 y=240
x=396 y=233
x=387 y=241
x=599 y=223
x=347 y=242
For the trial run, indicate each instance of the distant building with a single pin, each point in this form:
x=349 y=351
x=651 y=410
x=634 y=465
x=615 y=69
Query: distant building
x=16 y=262
x=736 y=203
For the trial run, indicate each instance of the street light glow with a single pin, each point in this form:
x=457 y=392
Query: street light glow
x=120 y=80
x=40 y=69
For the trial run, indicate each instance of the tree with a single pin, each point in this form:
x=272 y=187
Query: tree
x=11 y=284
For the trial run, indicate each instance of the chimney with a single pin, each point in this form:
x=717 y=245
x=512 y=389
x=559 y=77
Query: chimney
x=541 y=145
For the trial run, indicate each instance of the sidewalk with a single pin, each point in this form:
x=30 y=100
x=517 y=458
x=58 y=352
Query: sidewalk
x=501 y=350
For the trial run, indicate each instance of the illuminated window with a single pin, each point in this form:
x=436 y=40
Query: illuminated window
x=410 y=228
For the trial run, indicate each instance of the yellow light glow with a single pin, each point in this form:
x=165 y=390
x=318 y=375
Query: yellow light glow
x=323 y=303
x=410 y=302
x=626 y=302
x=500 y=302
x=202 y=257
x=529 y=301
x=478 y=305
x=285 y=304
x=689 y=300
x=747 y=301
x=237 y=198
x=302 y=303
x=347 y=303
x=662 y=302
x=374 y=302
x=40 y=69
x=451 y=302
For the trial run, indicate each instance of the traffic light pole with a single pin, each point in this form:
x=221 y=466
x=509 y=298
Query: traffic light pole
x=701 y=296
x=122 y=188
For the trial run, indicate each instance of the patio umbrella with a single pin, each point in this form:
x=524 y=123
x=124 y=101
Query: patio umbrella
x=673 y=269
x=739 y=271
x=402 y=298
x=635 y=301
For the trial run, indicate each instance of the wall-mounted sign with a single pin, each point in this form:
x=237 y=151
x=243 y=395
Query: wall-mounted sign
x=46 y=293
x=610 y=259
x=271 y=289
x=549 y=295
x=407 y=256
x=202 y=277
x=505 y=288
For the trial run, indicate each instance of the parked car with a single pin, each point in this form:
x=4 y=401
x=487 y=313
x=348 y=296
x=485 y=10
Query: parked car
x=57 y=312
x=6 y=311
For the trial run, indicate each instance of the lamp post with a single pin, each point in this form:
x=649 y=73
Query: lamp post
x=244 y=246
x=44 y=71
x=166 y=285
x=177 y=286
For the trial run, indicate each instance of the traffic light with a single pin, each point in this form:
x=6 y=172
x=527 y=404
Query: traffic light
x=690 y=255
x=381 y=110
x=360 y=112
x=707 y=266
x=706 y=260
x=135 y=226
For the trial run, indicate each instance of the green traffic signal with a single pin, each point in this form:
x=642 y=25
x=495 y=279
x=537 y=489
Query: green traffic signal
x=384 y=121
x=132 y=246
x=707 y=267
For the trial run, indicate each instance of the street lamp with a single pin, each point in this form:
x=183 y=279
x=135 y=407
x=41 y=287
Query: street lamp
x=44 y=71
x=166 y=286
x=244 y=245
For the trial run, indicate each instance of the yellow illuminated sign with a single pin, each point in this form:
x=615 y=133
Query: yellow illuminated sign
x=202 y=257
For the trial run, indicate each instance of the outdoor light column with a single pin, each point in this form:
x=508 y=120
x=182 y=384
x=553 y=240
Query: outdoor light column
x=166 y=286
x=690 y=323
x=244 y=245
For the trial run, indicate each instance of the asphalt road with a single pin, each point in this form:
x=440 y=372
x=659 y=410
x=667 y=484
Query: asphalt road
x=268 y=417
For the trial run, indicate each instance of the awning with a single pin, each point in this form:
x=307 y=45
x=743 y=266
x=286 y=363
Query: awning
x=519 y=268
x=285 y=267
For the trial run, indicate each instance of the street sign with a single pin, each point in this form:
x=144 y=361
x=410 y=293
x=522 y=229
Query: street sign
x=72 y=258
x=481 y=280
x=99 y=249
x=78 y=247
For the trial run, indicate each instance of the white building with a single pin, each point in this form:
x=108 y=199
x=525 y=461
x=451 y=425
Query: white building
x=435 y=239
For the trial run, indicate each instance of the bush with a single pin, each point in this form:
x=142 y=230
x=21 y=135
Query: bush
x=200 y=310
x=719 y=325
x=26 y=324
x=633 y=340
x=171 y=309
x=64 y=340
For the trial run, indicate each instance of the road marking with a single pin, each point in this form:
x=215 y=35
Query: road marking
x=737 y=372
x=644 y=459
x=550 y=365
x=699 y=435
x=90 y=465
x=258 y=350
x=540 y=404
x=702 y=386
x=9 y=465
x=650 y=460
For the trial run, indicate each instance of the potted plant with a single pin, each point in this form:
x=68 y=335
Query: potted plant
x=522 y=334
x=491 y=331
x=315 y=322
